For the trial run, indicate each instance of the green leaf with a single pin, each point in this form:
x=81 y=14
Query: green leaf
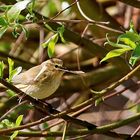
x=11 y=65
x=15 y=10
x=131 y=36
x=45 y=125
x=6 y=124
x=10 y=93
x=12 y=71
x=50 y=43
x=3 y=30
x=51 y=47
x=5 y=7
x=135 y=55
x=116 y=44
x=46 y=43
x=132 y=29
x=20 y=27
x=98 y=101
x=61 y=31
x=115 y=53
x=3 y=21
x=1 y=69
x=25 y=31
x=128 y=42
x=18 y=122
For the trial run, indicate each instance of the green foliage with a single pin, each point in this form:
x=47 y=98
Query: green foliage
x=98 y=101
x=16 y=27
x=45 y=125
x=51 y=42
x=10 y=18
x=12 y=71
x=135 y=55
x=129 y=41
x=5 y=7
x=60 y=31
x=15 y=10
x=3 y=21
x=3 y=30
x=6 y=124
x=10 y=93
x=1 y=69
x=18 y=122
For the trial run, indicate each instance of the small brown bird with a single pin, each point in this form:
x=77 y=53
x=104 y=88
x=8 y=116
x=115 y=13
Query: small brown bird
x=43 y=80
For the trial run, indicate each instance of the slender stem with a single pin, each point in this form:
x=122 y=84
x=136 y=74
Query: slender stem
x=46 y=109
x=114 y=85
x=8 y=112
x=64 y=132
x=98 y=130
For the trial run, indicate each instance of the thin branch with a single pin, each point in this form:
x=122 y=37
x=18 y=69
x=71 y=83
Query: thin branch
x=64 y=10
x=68 y=21
x=64 y=131
x=8 y=112
x=99 y=94
x=105 y=129
x=136 y=131
x=45 y=108
x=114 y=85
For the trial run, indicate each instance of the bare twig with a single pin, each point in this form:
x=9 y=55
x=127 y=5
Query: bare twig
x=8 y=112
x=46 y=108
x=114 y=85
x=64 y=131
x=64 y=10
x=136 y=131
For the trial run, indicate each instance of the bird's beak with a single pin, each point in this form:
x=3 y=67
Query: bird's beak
x=70 y=71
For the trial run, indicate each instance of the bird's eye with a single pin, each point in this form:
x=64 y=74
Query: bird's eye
x=56 y=66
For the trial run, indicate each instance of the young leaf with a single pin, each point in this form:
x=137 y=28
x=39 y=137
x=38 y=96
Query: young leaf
x=15 y=10
x=25 y=31
x=3 y=22
x=61 y=31
x=3 y=30
x=98 y=101
x=15 y=33
x=130 y=35
x=11 y=65
x=18 y=122
x=132 y=29
x=12 y=71
x=135 y=56
x=10 y=93
x=5 y=7
x=6 y=124
x=128 y=42
x=115 y=53
x=50 y=43
x=51 y=47
x=45 y=44
x=116 y=44
x=1 y=69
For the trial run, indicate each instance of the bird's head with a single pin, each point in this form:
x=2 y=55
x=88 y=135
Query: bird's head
x=53 y=64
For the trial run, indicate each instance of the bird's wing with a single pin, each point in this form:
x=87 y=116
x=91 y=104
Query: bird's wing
x=26 y=77
x=40 y=74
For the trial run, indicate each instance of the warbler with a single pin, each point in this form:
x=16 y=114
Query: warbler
x=43 y=80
